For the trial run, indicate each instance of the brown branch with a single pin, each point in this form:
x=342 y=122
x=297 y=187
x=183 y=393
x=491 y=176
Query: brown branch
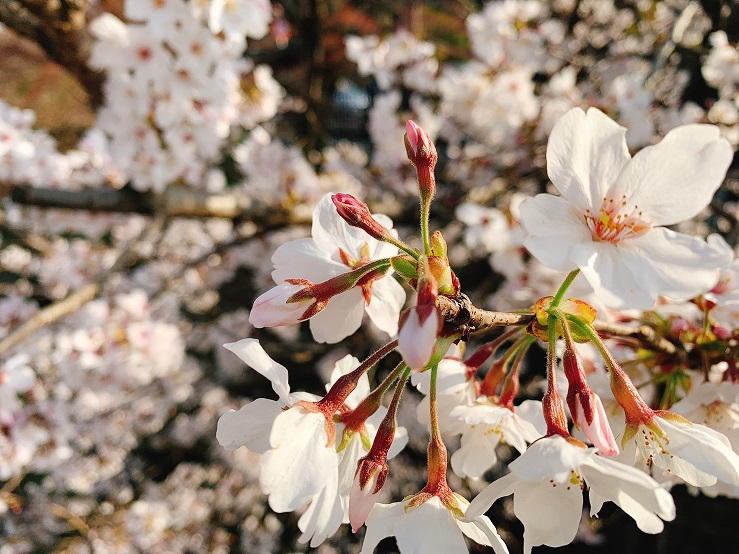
x=460 y=311
x=78 y=298
x=176 y=201
x=643 y=334
x=60 y=28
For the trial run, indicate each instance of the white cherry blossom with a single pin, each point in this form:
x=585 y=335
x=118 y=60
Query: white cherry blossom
x=486 y=426
x=547 y=483
x=319 y=258
x=430 y=527
x=608 y=223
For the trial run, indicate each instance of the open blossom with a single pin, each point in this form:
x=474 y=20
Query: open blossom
x=334 y=249
x=300 y=464
x=608 y=223
x=547 y=483
x=429 y=527
x=486 y=426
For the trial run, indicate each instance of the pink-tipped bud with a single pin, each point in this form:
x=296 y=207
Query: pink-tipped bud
x=273 y=308
x=368 y=481
x=421 y=151
x=421 y=324
x=419 y=327
x=590 y=416
x=357 y=214
x=586 y=407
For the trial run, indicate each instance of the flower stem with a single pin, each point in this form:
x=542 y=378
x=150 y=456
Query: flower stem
x=563 y=288
x=425 y=209
x=346 y=384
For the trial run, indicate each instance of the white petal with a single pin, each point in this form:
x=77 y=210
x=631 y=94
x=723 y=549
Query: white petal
x=323 y=517
x=549 y=458
x=253 y=355
x=585 y=154
x=340 y=318
x=675 y=179
x=553 y=230
x=330 y=231
x=388 y=297
x=482 y=531
x=476 y=453
x=674 y=264
x=614 y=283
x=302 y=259
x=416 y=340
x=497 y=489
x=634 y=491
x=345 y=365
x=420 y=530
x=704 y=448
x=300 y=462
x=250 y=426
x=549 y=512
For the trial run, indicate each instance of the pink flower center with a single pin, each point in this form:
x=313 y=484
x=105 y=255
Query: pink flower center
x=616 y=220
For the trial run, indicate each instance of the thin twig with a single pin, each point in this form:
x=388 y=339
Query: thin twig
x=78 y=298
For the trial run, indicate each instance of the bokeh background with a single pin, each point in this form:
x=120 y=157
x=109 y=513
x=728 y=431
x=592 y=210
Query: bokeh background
x=153 y=154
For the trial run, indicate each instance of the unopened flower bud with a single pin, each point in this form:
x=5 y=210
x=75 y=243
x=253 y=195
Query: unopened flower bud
x=419 y=327
x=273 y=309
x=368 y=481
x=421 y=151
x=357 y=214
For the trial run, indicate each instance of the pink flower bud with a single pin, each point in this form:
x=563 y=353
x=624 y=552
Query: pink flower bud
x=357 y=214
x=368 y=481
x=591 y=417
x=421 y=151
x=272 y=308
x=586 y=407
x=419 y=327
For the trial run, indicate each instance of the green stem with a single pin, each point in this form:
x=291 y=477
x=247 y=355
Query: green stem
x=433 y=414
x=563 y=288
x=404 y=247
x=425 y=210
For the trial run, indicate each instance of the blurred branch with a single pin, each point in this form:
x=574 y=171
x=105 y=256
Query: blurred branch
x=75 y=300
x=60 y=28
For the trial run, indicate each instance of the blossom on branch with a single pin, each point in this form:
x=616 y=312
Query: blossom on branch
x=609 y=220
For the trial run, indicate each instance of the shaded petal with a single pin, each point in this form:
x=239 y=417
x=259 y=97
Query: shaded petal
x=426 y=528
x=553 y=230
x=250 y=426
x=497 y=489
x=614 y=283
x=253 y=355
x=674 y=264
x=300 y=463
x=675 y=179
x=330 y=231
x=388 y=297
x=707 y=450
x=323 y=517
x=549 y=458
x=340 y=318
x=482 y=531
x=585 y=155
x=302 y=259
x=550 y=513
x=476 y=453
x=634 y=491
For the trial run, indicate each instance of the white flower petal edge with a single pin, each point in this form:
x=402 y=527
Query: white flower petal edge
x=253 y=355
x=429 y=527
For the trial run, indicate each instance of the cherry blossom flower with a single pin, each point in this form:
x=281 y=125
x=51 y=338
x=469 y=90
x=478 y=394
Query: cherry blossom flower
x=334 y=249
x=486 y=426
x=300 y=464
x=608 y=222
x=547 y=483
x=429 y=527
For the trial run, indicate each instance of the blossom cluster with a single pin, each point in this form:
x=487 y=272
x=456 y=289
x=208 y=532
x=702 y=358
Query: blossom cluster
x=583 y=153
